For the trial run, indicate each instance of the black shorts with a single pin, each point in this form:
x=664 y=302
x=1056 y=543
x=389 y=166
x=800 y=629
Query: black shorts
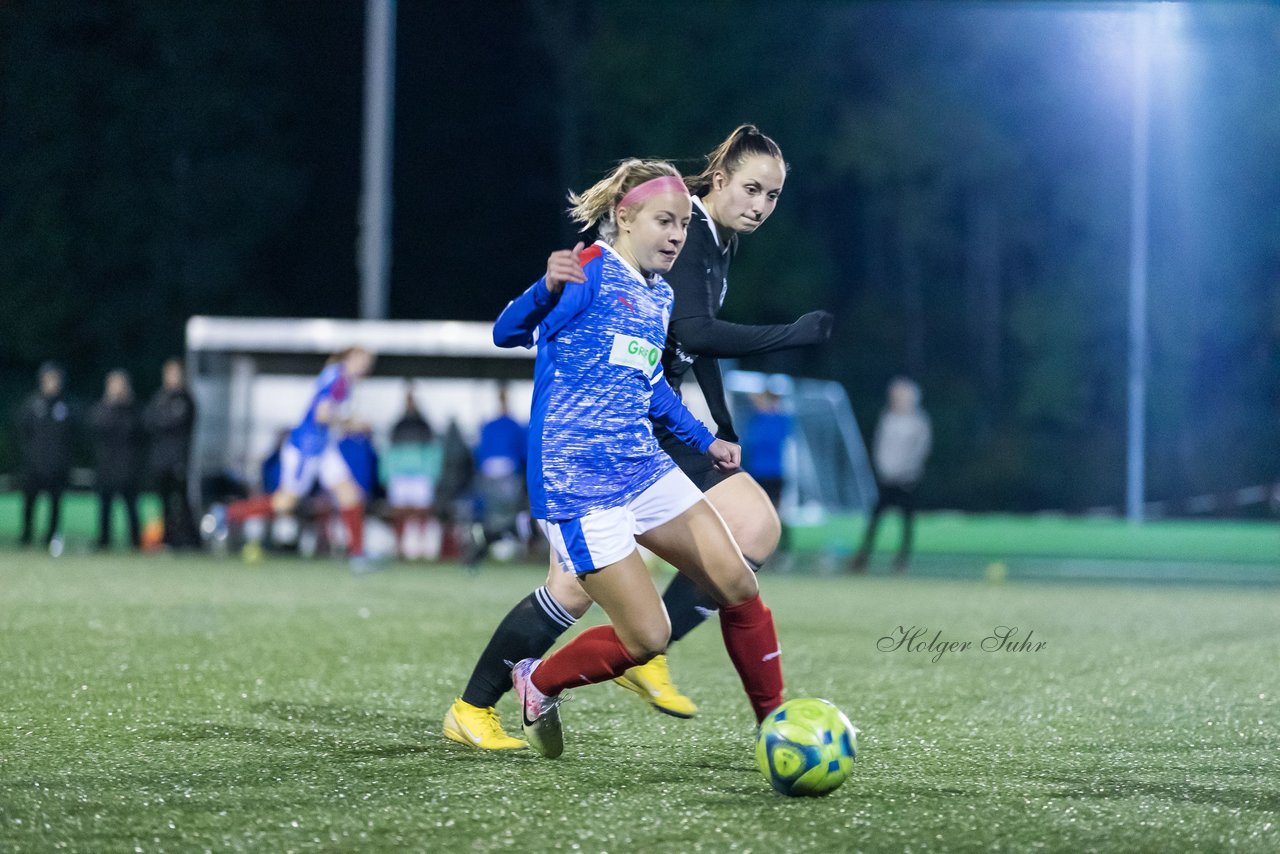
x=698 y=467
x=902 y=496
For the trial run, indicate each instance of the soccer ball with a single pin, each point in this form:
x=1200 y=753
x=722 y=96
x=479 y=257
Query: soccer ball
x=806 y=747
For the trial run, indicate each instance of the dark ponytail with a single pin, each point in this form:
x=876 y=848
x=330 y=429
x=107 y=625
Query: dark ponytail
x=745 y=141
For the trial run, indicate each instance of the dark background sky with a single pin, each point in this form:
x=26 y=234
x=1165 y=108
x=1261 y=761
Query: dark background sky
x=958 y=196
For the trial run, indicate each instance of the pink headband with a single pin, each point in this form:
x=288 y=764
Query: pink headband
x=652 y=187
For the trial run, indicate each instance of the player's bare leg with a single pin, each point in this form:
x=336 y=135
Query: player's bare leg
x=748 y=514
x=754 y=525
x=567 y=590
x=638 y=631
x=757 y=525
x=699 y=544
x=527 y=631
x=284 y=502
x=350 y=499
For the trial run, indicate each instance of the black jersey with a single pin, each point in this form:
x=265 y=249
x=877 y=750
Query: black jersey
x=696 y=338
x=46 y=428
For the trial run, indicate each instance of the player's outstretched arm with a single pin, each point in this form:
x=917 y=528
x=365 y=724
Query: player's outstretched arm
x=704 y=335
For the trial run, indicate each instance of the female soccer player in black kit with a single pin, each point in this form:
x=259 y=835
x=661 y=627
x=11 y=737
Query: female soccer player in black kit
x=733 y=195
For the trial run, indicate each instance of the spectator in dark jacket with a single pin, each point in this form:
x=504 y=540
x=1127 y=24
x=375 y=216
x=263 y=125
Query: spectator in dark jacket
x=117 y=432
x=169 y=420
x=452 y=490
x=46 y=425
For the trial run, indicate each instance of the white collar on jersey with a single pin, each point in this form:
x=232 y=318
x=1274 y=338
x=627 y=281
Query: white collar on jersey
x=623 y=261
x=711 y=223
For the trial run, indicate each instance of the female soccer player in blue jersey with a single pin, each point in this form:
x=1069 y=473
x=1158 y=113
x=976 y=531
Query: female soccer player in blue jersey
x=599 y=483
x=311 y=453
x=733 y=195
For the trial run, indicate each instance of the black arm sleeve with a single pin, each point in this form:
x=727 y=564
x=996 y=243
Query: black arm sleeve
x=706 y=371
x=152 y=419
x=707 y=336
x=694 y=324
x=24 y=423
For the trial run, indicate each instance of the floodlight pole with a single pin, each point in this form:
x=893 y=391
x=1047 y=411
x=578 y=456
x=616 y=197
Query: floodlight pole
x=379 y=120
x=1135 y=470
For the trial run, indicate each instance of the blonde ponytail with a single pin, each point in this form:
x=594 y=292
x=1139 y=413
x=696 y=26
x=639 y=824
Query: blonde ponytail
x=595 y=206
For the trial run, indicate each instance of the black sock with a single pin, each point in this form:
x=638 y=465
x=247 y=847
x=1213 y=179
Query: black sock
x=528 y=631
x=688 y=606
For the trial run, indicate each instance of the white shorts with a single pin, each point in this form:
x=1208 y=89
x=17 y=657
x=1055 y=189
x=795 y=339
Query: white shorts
x=298 y=472
x=607 y=536
x=414 y=491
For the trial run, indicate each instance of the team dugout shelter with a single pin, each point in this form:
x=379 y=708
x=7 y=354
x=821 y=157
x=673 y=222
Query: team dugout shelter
x=253 y=378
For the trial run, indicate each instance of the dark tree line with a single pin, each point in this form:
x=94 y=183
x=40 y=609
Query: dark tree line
x=958 y=196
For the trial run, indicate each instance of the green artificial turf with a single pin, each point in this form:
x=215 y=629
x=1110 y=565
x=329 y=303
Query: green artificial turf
x=79 y=524
x=162 y=704
x=954 y=536
x=1055 y=536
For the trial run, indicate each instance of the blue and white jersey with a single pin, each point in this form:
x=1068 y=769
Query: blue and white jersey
x=597 y=382
x=311 y=435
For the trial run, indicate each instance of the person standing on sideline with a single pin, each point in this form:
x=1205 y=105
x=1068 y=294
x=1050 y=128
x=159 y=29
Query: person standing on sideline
x=46 y=427
x=500 y=459
x=169 y=420
x=764 y=442
x=902 y=442
x=117 y=442
x=454 y=507
x=411 y=469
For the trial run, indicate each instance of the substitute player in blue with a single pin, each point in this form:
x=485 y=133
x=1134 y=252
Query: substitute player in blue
x=734 y=194
x=311 y=453
x=500 y=456
x=598 y=481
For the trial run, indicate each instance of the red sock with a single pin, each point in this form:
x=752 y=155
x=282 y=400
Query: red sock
x=399 y=521
x=249 y=508
x=596 y=655
x=353 y=519
x=753 y=648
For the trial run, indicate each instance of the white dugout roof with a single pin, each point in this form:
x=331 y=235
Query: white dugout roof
x=446 y=338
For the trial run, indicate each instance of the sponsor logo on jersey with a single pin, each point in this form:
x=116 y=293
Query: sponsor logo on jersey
x=632 y=352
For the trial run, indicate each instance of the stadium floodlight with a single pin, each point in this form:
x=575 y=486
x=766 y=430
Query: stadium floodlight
x=1154 y=36
x=374 y=250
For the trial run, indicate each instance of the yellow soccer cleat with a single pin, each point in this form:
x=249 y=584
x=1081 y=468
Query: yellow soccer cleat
x=251 y=553
x=477 y=727
x=652 y=681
